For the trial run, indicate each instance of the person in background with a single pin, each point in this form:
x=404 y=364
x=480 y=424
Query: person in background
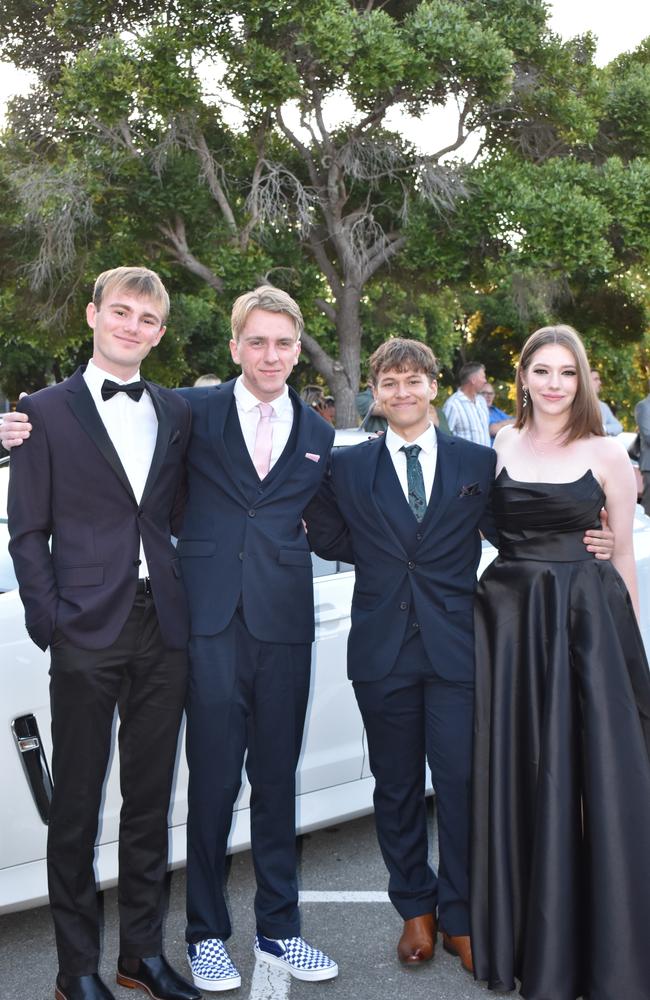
x=466 y=410
x=498 y=418
x=208 y=379
x=330 y=409
x=313 y=396
x=611 y=425
x=642 y=417
x=364 y=400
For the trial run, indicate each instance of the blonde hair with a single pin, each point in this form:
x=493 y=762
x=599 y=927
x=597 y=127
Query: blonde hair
x=585 y=418
x=138 y=281
x=269 y=299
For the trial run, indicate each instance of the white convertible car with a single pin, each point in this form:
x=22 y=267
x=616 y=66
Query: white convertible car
x=334 y=780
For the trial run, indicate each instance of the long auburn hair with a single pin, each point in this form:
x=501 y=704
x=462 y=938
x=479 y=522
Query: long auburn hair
x=585 y=417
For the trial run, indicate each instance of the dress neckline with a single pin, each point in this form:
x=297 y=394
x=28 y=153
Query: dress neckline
x=572 y=482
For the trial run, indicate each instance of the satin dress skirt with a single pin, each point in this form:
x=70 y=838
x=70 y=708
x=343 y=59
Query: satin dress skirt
x=560 y=870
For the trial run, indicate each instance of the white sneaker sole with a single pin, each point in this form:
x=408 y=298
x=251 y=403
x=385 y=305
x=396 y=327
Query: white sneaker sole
x=307 y=975
x=215 y=985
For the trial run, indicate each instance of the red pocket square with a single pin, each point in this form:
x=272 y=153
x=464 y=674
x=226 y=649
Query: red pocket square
x=312 y=457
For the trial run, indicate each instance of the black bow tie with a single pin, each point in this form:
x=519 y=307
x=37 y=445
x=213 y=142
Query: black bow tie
x=132 y=389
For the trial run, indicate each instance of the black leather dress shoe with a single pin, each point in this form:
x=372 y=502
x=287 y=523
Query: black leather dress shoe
x=81 y=988
x=156 y=977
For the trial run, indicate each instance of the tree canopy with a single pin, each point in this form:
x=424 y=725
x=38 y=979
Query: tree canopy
x=230 y=143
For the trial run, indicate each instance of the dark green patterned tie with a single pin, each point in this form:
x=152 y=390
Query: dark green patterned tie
x=415 y=480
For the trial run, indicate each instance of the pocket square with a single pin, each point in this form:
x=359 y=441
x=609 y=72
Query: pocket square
x=312 y=457
x=470 y=490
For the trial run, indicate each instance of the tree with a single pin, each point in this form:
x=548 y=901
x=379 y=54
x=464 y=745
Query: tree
x=129 y=151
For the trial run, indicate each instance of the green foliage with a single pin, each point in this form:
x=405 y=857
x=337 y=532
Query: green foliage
x=124 y=154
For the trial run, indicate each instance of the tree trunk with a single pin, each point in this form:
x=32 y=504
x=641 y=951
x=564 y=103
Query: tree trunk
x=347 y=414
x=345 y=381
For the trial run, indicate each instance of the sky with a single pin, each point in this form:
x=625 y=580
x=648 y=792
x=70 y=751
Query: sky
x=619 y=26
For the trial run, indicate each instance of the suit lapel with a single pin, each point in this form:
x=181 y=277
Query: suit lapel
x=162 y=437
x=445 y=481
x=220 y=399
x=363 y=487
x=82 y=405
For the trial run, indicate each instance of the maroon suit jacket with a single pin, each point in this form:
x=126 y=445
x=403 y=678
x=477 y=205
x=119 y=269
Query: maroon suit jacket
x=67 y=486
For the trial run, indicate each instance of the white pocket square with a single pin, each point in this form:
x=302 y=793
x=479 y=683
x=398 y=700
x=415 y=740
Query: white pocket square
x=312 y=457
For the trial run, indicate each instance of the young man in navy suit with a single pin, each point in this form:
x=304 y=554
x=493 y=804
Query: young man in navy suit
x=257 y=456
x=101 y=480
x=406 y=509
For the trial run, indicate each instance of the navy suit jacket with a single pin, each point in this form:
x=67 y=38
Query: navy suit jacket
x=67 y=484
x=243 y=542
x=432 y=576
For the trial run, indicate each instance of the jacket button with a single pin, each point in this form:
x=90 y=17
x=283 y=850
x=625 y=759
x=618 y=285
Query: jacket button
x=415 y=625
x=241 y=556
x=403 y=606
x=419 y=537
x=251 y=513
x=137 y=562
x=411 y=564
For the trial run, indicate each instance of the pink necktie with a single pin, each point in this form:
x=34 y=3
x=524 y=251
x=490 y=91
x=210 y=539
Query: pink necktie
x=263 y=440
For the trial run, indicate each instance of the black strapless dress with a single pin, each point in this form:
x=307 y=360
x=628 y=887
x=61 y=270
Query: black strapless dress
x=561 y=793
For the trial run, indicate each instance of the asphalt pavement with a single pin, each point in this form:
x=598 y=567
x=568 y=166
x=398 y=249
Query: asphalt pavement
x=344 y=911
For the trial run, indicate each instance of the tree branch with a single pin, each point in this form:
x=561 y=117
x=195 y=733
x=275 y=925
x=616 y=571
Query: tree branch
x=381 y=257
x=300 y=146
x=175 y=234
x=320 y=359
x=196 y=141
x=315 y=238
x=327 y=308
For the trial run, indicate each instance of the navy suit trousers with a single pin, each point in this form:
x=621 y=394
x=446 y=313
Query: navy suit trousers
x=413 y=715
x=244 y=695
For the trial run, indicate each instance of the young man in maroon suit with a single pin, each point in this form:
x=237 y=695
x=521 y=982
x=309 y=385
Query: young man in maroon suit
x=102 y=481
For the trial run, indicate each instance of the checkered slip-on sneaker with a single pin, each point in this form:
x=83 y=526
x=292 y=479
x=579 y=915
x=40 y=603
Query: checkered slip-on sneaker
x=297 y=957
x=211 y=966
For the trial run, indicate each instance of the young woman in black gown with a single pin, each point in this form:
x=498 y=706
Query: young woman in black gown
x=561 y=801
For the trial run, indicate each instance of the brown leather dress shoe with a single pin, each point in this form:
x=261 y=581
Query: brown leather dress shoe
x=460 y=946
x=418 y=940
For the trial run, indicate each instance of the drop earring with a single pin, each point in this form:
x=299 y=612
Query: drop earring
x=525 y=399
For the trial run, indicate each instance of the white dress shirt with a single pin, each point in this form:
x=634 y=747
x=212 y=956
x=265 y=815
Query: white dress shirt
x=132 y=426
x=468 y=418
x=427 y=457
x=249 y=415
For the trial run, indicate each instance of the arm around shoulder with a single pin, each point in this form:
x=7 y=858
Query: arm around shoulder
x=619 y=486
x=327 y=531
x=29 y=507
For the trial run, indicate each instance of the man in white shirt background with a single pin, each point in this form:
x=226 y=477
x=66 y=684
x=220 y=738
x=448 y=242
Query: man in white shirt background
x=611 y=425
x=466 y=410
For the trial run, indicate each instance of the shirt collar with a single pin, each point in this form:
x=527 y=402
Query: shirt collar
x=94 y=376
x=247 y=401
x=427 y=440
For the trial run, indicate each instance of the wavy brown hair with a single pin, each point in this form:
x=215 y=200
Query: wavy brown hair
x=399 y=355
x=584 y=418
